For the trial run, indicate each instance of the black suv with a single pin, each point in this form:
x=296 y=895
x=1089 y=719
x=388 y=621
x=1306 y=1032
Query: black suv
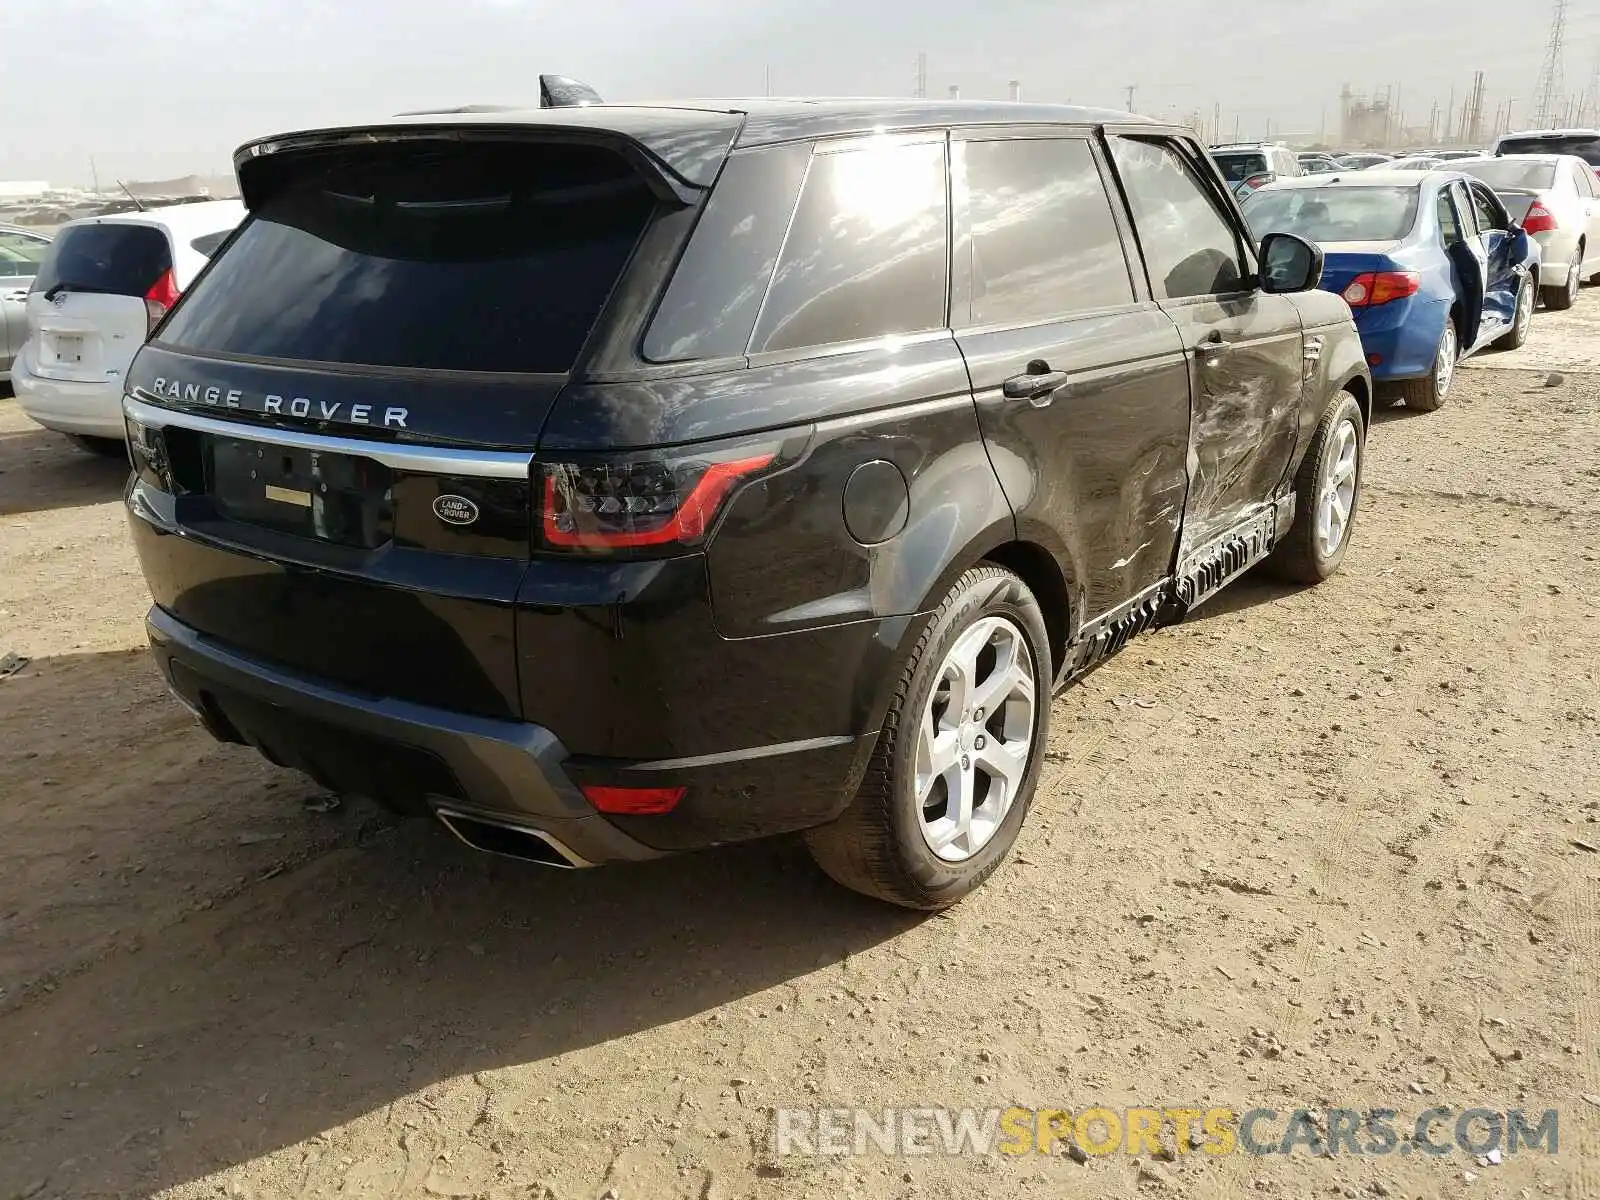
x=613 y=481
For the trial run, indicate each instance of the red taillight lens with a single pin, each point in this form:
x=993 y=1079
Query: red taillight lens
x=1539 y=220
x=163 y=294
x=633 y=801
x=1259 y=181
x=1380 y=287
x=645 y=504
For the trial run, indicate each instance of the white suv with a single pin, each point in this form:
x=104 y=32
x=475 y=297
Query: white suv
x=102 y=288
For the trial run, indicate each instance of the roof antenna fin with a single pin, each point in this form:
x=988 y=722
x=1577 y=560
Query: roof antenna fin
x=557 y=91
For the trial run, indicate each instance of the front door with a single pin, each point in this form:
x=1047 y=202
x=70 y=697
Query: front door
x=1245 y=351
x=1080 y=379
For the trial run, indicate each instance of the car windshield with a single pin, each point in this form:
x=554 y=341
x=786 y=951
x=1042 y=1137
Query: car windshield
x=1241 y=165
x=1512 y=172
x=1334 y=214
x=1585 y=145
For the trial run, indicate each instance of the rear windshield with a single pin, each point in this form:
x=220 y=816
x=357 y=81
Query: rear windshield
x=117 y=260
x=481 y=258
x=1511 y=173
x=1238 y=167
x=1586 y=146
x=1334 y=214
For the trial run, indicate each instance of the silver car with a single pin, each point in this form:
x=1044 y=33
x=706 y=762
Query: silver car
x=21 y=251
x=1556 y=198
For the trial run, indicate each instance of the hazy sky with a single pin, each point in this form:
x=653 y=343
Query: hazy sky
x=166 y=87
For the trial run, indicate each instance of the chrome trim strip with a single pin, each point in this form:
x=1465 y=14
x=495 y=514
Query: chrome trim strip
x=435 y=460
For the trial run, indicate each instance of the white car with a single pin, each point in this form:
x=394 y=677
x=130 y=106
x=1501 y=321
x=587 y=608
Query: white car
x=1556 y=198
x=101 y=290
x=21 y=251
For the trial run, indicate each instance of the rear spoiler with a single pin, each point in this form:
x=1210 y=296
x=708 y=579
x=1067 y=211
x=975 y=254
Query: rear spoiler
x=678 y=152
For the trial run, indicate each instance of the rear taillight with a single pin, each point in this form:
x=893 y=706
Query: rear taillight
x=1380 y=287
x=650 y=504
x=163 y=294
x=1259 y=181
x=1539 y=219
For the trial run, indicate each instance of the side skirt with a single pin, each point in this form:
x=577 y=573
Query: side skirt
x=1200 y=576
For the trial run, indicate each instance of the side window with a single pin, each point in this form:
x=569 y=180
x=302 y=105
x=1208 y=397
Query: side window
x=20 y=255
x=1189 y=247
x=710 y=306
x=1465 y=214
x=1489 y=211
x=1044 y=242
x=867 y=250
x=1449 y=229
x=1583 y=180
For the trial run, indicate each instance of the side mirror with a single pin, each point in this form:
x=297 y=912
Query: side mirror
x=1289 y=264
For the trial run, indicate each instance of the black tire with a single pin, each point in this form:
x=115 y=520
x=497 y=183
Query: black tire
x=877 y=846
x=1517 y=337
x=1300 y=558
x=1559 y=299
x=104 y=447
x=1429 y=393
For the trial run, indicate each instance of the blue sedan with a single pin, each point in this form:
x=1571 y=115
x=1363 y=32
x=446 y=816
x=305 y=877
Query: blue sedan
x=1432 y=266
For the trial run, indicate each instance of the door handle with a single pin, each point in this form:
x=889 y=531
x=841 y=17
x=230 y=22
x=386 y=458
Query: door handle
x=1213 y=345
x=1038 y=388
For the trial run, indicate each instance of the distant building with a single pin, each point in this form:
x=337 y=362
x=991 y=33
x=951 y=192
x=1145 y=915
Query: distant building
x=1363 y=123
x=22 y=189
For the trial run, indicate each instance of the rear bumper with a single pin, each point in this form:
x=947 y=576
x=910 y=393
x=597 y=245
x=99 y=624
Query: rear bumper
x=1403 y=335
x=425 y=759
x=89 y=409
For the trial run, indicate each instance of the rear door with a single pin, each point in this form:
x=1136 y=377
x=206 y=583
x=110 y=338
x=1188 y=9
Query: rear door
x=87 y=305
x=1465 y=248
x=1080 y=379
x=1245 y=348
x=1584 y=181
x=1502 y=279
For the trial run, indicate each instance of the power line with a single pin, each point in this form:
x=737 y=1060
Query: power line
x=1548 y=92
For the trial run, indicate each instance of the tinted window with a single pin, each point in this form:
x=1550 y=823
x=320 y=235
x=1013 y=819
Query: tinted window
x=207 y=243
x=1189 y=248
x=1449 y=230
x=119 y=260
x=1585 y=146
x=1511 y=172
x=488 y=258
x=1464 y=212
x=866 y=253
x=1237 y=167
x=1489 y=213
x=21 y=255
x=1334 y=214
x=1044 y=242
x=710 y=307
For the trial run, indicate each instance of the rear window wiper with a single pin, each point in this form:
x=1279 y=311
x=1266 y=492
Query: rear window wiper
x=57 y=289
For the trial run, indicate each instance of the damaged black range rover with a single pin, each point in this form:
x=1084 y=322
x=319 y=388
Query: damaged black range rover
x=612 y=481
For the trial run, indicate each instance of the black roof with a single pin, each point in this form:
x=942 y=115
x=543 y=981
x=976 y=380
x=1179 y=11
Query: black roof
x=692 y=137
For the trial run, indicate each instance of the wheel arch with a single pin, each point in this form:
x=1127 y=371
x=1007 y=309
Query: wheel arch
x=1038 y=568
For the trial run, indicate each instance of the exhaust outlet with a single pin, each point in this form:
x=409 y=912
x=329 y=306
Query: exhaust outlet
x=509 y=841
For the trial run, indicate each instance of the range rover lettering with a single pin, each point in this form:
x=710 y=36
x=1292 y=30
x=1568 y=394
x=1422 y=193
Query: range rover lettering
x=607 y=482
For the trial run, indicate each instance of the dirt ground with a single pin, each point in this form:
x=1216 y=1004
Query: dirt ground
x=1311 y=849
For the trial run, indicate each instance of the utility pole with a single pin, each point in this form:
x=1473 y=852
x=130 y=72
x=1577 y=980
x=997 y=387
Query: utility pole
x=1216 y=122
x=1132 y=88
x=922 y=77
x=1548 y=96
x=1450 y=119
x=766 y=78
x=94 y=174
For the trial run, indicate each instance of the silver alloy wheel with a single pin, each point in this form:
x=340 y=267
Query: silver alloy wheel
x=1338 y=495
x=975 y=739
x=1444 y=363
x=1575 y=275
x=1524 y=307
